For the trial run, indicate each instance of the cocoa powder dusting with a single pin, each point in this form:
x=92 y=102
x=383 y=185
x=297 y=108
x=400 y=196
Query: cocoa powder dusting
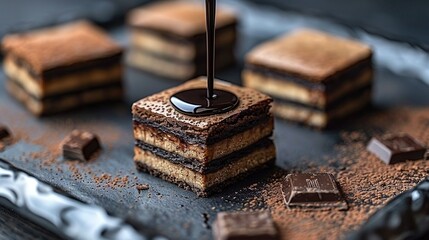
x=368 y=183
x=48 y=154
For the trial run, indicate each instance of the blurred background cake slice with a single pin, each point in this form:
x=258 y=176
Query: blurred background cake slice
x=314 y=78
x=203 y=154
x=63 y=67
x=168 y=39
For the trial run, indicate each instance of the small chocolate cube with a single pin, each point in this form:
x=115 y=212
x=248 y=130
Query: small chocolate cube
x=312 y=190
x=395 y=148
x=4 y=132
x=244 y=225
x=80 y=145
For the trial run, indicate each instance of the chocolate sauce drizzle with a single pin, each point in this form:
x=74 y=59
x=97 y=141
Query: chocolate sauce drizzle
x=203 y=102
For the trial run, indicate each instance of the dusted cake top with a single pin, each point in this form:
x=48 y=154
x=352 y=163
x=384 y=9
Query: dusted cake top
x=309 y=54
x=184 y=19
x=159 y=107
x=61 y=46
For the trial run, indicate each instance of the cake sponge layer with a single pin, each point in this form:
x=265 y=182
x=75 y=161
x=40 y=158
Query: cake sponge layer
x=176 y=69
x=65 y=102
x=312 y=96
x=321 y=119
x=203 y=153
x=96 y=76
x=203 y=184
x=186 y=51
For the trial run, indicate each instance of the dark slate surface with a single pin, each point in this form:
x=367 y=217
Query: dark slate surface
x=165 y=208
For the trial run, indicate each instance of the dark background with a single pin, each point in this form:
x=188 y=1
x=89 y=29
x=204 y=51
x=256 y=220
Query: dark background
x=400 y=20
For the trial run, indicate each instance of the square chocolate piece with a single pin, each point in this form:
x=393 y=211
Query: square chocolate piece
x=80 y=145
x=203 y=153
x=168 y=39
x=5 y=137
x=312 y=191
x=244 y=225
x=62 y=67
x=315 y=78
x=394 y=148
x=4 y=133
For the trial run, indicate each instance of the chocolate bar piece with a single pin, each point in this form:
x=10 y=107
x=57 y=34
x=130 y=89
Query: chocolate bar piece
x=314 y=78
x=80 y=145
x=244 y=225
x=203 y=153
x=168 y=39
x=63 y=67
x=404 y=217
x=4 y=133
x=312 y=190
x=395 y=148
x=5 y=137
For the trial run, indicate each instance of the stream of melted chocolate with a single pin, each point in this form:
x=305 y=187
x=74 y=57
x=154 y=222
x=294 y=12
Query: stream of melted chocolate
x=203 y=102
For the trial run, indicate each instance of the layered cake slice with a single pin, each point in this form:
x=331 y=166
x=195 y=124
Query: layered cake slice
x=203 y=153
x=168 y=39
x=63 y=67
x=314 y=78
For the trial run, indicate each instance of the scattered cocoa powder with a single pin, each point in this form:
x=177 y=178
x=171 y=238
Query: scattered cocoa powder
x=47 y=158
x=108 y=181
x=74 y=169
x=368 y=184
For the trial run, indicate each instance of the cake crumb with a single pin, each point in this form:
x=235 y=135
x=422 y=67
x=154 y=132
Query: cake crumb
x=142 y=187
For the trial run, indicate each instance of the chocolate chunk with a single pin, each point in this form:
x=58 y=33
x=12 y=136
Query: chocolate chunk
x=312 y=190
x=244 y=225
x=404 y=217
x=80 y=145
x=5 y=137
x=4 y=133
x=394 y=148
